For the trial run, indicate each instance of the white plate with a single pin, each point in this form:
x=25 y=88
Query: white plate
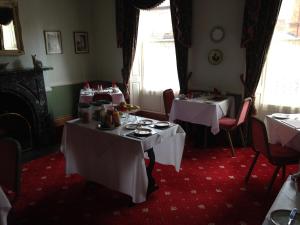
x=280 y=116
x=281 y=217
x=162 y=124
x=145 y=122
x=131 y=126
x=143 y=132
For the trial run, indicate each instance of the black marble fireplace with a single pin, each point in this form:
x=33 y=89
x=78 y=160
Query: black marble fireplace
x=22 y=92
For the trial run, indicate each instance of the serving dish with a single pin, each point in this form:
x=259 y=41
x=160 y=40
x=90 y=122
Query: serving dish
x=162 y=124
x=280 y=116
x=281 y=217
x=131 y=126
x=145 y=122
x=142 y=132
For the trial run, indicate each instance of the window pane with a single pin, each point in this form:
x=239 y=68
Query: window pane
x=281 y=81
x=9 y=37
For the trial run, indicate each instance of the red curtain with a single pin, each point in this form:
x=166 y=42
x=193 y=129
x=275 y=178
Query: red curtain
x=260 y=17
x=181 y=13
x=127 y=18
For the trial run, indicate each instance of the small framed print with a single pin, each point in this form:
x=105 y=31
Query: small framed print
x=53 y=42
x=215 y=56
x=81 y=42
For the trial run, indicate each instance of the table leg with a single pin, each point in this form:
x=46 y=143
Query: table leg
x=152 y=186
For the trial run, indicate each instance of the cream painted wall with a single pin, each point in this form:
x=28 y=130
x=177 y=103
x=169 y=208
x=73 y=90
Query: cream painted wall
x=66 y=16
x=108 y=61
x=225 y=76
x=105 y=60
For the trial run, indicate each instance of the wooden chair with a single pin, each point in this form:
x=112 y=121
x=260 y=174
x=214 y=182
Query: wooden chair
x=10 y=165
x=168 y=97
x=229 y=124
x=277 y=154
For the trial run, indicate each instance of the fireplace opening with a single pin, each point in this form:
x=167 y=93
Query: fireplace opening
x=16 y=126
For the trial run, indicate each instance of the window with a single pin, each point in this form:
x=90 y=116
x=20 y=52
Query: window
x=280 y=81
x=9 y=37
x=155 y=60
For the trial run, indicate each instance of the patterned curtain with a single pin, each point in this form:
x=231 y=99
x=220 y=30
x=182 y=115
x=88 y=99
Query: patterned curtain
x=181 y=13
x=6 y=15
x=260 y=18
x=127 y=18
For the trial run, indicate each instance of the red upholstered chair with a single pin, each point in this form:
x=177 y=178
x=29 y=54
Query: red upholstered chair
x=168 y=97
x=102 y=96
x=277 y=155
x=229 y=124
x=10 y=165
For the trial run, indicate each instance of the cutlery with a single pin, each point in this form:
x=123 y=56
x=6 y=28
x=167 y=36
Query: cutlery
x=292 y=216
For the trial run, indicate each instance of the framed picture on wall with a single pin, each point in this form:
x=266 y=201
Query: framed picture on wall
x=53 y=42
x=81 y=42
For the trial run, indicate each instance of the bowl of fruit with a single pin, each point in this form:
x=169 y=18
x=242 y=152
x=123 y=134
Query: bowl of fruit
x=129 y=108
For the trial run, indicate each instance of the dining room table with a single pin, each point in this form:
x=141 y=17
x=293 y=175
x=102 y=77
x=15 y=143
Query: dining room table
x=87 y=94
x=5 y=207
x=284 y=129
x=116 y=157
x=203 y=110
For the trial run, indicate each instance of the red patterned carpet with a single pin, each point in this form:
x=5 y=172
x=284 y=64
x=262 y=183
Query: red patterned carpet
x=208 y=190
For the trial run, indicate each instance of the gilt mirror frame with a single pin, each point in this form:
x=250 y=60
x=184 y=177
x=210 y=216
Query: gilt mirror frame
x=17 y=28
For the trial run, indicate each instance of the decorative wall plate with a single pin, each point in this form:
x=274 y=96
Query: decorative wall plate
x=215 y=56
x=217 y=34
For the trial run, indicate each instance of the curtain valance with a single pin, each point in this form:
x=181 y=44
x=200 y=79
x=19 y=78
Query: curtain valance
x=6 y=15
x=146 y=4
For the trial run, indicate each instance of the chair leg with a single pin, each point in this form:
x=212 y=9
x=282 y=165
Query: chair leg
x=251 y=167
x=230 y=142
x=205 y=137
x=283 y=172
x=242 y=136
x=273 y=178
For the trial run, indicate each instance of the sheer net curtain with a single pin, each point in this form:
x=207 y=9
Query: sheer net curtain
x=154 y=68
x=279 y=86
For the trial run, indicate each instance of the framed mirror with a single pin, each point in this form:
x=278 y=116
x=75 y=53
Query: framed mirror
x=10 y=29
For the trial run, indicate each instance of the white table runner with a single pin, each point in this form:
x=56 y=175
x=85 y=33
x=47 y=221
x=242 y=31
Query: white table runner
x=200 y=111
x=115 y=160
x=5 y=207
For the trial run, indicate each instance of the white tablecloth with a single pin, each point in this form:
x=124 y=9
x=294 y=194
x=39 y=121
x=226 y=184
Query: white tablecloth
x=87 y=96
x=288 y=198
x=280 y=132
x=5 y=207
x=201 y=111
x=115 y=160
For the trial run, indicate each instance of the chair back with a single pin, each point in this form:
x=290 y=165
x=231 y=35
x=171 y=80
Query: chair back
x=102 y=96
x=10 y=164
x=259 y=137
x=168 y=96
x=242 y=116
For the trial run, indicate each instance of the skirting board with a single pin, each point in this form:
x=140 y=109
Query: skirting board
x=60 y=121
